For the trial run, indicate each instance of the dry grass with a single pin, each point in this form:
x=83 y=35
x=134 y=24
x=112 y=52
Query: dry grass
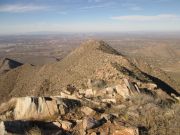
x=156 y=120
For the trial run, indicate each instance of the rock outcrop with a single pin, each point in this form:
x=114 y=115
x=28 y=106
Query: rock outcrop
x=36 y=108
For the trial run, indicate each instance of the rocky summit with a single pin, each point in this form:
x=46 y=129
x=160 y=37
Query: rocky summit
x=95 y=90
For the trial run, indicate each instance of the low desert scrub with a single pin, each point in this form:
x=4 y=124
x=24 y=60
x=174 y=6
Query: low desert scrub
x=142 y=99
x=161 y=122
x=155 y=119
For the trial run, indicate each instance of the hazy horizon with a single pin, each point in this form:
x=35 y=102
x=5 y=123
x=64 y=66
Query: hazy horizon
x=24 y=16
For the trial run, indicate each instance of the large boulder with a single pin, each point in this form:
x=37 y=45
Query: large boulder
x=36 y=108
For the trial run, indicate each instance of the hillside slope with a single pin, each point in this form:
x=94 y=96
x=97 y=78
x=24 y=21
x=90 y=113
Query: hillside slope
x=93 y=60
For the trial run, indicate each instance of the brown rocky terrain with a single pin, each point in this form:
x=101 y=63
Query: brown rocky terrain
x=162 y=52
x=120 y=96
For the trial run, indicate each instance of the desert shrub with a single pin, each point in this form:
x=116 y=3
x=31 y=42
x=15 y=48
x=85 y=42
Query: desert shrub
x=98 y=84
x=142 y=99
x=157 y=120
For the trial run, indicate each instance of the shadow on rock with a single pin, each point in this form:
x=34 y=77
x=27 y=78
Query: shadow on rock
x=23 y=127
x=164 y=86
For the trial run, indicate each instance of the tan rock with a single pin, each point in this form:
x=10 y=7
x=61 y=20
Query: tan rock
x=89 y=93
x=88 y=111
x=137 y=88
x=127 y=83
x=175 y=97
x=89 y=83
x=152 y=86
x=93 y=133
x=81 y=91
x=64 y=95
x=66 y=92
x=110 y=90
x=120 y=107
x=89 y=123
x=130 y=86
x=126 y=131
x=123 y=91
x=110 y=100
x=66 y=125
x=2 y=128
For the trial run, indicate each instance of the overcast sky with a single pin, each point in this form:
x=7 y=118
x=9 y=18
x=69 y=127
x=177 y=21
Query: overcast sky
x=21 y=16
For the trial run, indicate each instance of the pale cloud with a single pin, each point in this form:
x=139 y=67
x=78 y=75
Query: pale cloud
x=131 y=6
x=21 y=8
x=95 y=0
x=135 y=8
x=161 y=17
x=95 y=6
x=103 y=5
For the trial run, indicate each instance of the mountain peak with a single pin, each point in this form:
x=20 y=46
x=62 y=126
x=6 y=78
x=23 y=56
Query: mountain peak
x=99 y=45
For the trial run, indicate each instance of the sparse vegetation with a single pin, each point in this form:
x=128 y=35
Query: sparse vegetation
x=155 y=119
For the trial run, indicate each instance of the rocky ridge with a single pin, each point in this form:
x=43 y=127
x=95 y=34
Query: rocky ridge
x=116 y=96
x=92 y=60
